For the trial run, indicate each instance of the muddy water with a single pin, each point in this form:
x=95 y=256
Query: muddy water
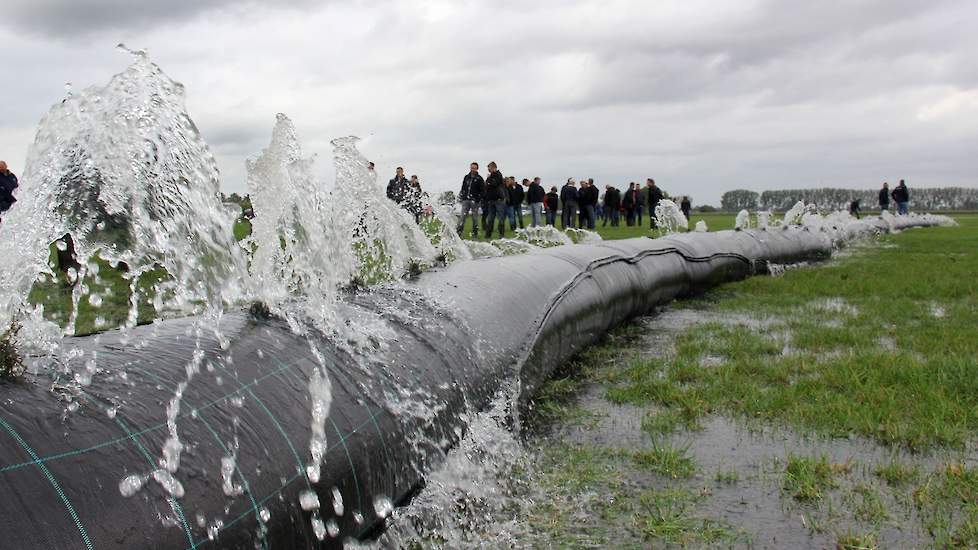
x=755 y=503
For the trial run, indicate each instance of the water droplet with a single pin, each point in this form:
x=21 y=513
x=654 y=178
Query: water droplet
x=337 y=501
x=383 y=506
x=318 y=528
x=309 y=500
x=131 y=485
x=332 y=528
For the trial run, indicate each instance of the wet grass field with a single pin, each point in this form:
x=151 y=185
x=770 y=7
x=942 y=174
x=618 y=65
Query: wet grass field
x=832 y=406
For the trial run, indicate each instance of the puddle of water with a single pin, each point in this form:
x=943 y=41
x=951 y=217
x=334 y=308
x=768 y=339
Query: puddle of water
x=755 y=502
x=492 y=489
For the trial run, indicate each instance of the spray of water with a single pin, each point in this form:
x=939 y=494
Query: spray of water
x=123 y=170
x=670 y=217
x=743 y=220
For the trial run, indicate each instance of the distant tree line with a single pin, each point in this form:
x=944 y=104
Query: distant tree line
x=921 y=198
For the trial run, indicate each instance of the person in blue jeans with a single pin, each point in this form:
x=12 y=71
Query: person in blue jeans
x=901 y=196
x=495 y=197
x=535 y=196
x=514 y=208
x=568 y=202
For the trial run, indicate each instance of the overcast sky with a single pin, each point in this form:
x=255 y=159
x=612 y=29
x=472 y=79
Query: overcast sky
x=704 y=96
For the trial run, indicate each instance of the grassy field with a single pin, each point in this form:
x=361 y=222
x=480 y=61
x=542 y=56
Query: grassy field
x=876 y=348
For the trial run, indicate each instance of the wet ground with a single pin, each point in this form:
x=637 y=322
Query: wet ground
x=740 y=467
x=576 y=484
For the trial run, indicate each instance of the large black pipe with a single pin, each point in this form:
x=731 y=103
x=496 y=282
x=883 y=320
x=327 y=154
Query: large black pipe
x=441 y=349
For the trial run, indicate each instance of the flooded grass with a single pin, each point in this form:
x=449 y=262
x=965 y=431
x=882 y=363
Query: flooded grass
x=807 y=478
x=665 y=459
x=832 y=406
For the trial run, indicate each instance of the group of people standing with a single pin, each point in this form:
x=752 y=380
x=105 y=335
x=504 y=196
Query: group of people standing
x=498 y=199
x=407 y=193
x=900 y=195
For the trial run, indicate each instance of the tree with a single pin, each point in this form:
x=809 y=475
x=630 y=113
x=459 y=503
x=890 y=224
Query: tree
x=739 y=199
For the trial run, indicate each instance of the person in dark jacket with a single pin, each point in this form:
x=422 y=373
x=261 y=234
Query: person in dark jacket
x=854 y=209
x=470 y=197
x=534 y=197
x=552 y=202
x=496 y=196
x=397 y=187
x=884 y=197
x=654 y=195
x=568 y=201
x=612 y=205
x=414 y=198
x=639 y=207
x=8 y=183
x=629 y=202
x=901 y=196
x=588 y=199
x=514 y=209
x=582 y=197
x=686 y=206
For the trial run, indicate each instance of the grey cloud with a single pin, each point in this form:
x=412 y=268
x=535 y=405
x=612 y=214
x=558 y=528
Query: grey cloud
x=66 y=18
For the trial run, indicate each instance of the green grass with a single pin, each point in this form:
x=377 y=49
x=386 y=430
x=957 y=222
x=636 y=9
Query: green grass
x=868 y=505
x=242 y=229
x=896 y=473
x=854 y=347
x=857 y=541
x=878 y=344
x=726 y=476
x=807 y=478
x=667 y=516
x=110 y=285
x=947 y=501
x=665 y=459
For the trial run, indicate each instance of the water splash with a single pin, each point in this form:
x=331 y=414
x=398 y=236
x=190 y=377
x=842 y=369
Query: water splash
x=122 y=169
x=670 y=217
x=743 y=220
x=763 y=219
x=483 y=250
x=795 y=214
x=543 y=236
x=582 y=236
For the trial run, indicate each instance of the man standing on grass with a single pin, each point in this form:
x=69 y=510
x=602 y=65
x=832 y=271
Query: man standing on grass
x=885 y=197
x=470 y=197
x=654 y=195
x=516 y=196
x=612 y=205
x=8 y=182
x=496 y=196
x=901 y=196
x=591 y=197
x=631 y=199
x=535 y=196
x=568 y=201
